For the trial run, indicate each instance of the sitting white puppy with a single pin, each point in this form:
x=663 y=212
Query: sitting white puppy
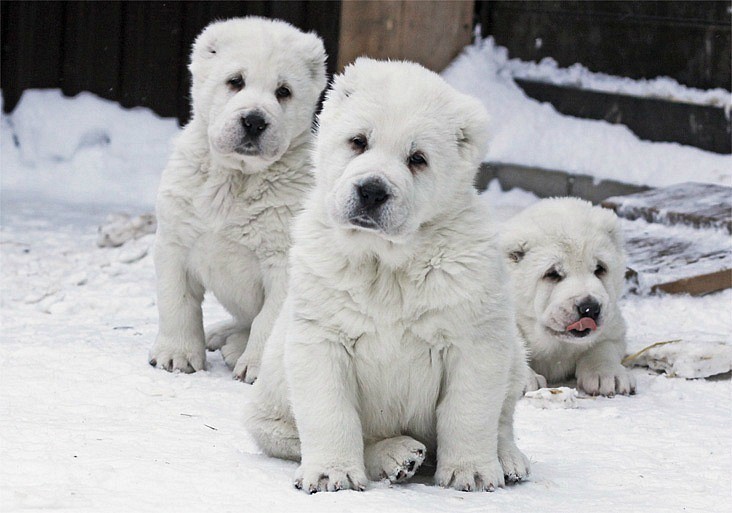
x=567 y=265
x=397 y=339
x=238 y=173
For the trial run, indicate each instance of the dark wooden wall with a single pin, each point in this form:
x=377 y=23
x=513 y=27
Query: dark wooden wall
x=686 y=40
x=135 y=53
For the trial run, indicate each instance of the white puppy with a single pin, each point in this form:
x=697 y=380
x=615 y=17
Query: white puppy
x=238 y=173
x=397 y=339
x=567 y=264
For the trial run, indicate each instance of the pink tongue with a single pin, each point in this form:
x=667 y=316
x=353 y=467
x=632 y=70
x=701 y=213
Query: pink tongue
x=585 y=323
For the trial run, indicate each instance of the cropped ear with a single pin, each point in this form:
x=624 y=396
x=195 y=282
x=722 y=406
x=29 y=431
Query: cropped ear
x=513 y=246
x=610 y=222
x=314 y=57
x=204 y=48
x=516 y=252
x=472 y=135
x=343 y=86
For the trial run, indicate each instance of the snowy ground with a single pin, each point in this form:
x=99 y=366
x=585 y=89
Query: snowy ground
x=87 y=425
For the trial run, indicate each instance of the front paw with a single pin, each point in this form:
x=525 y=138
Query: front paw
x=172 y=356
x=606 y=381
x=247 y=367
x=515 y=464
x=470 y=477
x=534 y=381
x=330 y=478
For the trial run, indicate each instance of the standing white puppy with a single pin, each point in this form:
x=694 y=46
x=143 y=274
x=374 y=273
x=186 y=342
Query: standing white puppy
x=238 y=173
x=567 y=264
x=397 y=339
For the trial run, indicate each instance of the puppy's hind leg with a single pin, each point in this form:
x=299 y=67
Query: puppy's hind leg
x=395 y=459
x=275 y=434
x=231 y=337
x=216 y=334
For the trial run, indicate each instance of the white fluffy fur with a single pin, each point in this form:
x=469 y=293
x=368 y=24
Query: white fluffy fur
x=572 y=237
x=223 y=216
x=399 y=341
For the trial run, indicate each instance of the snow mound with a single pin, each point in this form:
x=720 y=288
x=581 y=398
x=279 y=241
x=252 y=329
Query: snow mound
x=83 y=149
x=529 y=133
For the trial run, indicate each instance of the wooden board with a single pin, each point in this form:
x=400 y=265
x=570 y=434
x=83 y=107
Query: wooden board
x=696 y=205
x=676 y=260
x=431 y=33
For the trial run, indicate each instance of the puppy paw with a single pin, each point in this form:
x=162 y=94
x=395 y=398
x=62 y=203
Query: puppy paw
x=171 y=356
x=534 y=381
x=395 y=459
x=607 y=381
x=247 y=367
x=314 y=478
x=470 y=477
x=515 y=464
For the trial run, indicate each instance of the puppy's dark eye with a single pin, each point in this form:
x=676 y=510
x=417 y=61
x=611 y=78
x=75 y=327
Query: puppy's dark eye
x=416 y=160
x=236 y=83
x=283 y=92
x=553 y=275
x=359 y=143
x=600 y=270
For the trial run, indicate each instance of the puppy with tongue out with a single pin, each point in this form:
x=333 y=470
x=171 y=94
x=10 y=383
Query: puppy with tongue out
x=567 y=267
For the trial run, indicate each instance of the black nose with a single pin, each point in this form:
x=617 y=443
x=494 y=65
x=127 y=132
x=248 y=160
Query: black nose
x=589 y=308
x=372 y=193
x=254 y=124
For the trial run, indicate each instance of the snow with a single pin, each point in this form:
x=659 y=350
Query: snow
x=530 y=133
x=87 y=425
x=664 y=88
x=83 y=149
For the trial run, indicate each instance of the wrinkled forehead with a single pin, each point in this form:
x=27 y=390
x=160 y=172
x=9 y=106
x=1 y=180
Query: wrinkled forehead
x=267 y=59
x=396 y=117
x=573 y=251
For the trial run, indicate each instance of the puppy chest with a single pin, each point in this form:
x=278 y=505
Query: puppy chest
x=398 y=379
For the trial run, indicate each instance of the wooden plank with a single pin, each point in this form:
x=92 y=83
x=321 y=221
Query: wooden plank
x=368 y=29
x=652 y=119
x=547 y=183
x=696 y=205
x=676 y=259
x=404 y=30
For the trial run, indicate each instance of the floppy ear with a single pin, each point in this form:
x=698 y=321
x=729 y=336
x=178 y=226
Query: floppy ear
x=472 y=136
